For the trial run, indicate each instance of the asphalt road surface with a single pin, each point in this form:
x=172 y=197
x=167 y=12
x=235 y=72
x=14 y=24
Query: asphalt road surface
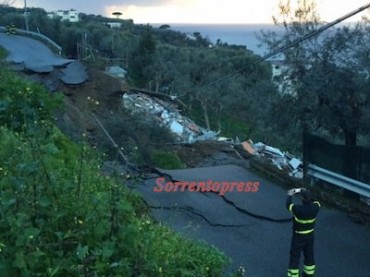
x=252 y=227
x=32 y=55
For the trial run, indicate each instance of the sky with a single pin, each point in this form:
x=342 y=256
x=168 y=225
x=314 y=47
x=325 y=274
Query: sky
x=193 y=11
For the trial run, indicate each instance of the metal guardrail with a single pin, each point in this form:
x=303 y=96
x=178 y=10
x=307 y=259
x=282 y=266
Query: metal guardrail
x=339 y=180
x=38 y=35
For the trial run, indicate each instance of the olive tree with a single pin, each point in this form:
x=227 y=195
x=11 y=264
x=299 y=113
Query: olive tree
x=325 y=73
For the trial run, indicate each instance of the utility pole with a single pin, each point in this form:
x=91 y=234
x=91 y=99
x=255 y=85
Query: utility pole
x=26 y=14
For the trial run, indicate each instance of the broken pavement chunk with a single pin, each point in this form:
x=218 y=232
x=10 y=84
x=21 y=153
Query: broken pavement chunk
x=273 y=151
x=249 y=147
x=282 y=161
x=295 y=163
x=176 y=127
x=194 y=127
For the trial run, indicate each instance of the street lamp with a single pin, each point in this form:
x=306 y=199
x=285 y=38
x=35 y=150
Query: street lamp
x=26 y=14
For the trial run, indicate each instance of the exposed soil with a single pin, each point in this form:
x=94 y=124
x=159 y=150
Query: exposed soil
x=101 y=98
x=78 y=118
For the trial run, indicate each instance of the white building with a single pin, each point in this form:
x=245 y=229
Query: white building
x=281 y=77
x=114 y=24
x=69 y=15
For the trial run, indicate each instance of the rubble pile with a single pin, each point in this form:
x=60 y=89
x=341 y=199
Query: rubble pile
x=167 y=114
x=281 y=160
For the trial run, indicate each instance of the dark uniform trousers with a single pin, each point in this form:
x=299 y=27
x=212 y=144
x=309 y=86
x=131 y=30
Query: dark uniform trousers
x=302 y=243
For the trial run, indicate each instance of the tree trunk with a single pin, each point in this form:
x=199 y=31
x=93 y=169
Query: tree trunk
x=350 y=137
x=352 y=161
x=157 y=83
x=206 y=118
x=219 y=111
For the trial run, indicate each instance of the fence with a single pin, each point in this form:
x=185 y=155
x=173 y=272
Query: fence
x=350 y=161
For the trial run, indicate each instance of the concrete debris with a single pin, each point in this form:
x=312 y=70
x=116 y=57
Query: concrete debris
x=281 y=160
x=74 y=73
x=176 y=128
x=116 y=71
x=268 y=150
x=167 y=114
x=295 y=163
x=248 y=146
x=226 y=140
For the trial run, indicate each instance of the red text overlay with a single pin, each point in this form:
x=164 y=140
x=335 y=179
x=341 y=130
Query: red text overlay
x=161 y=185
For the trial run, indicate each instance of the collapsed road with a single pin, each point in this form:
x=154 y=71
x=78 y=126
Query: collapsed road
x=34 y=58
x=254 y=228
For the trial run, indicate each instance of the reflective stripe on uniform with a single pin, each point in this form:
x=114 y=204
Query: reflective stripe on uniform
x=293 y=272
x=302 y=221
x=304 y=232
x=317 y=202
x=309 y=269
x=303 y=226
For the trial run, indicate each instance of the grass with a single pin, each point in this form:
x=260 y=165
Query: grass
x=230 y=127
x=166 y=160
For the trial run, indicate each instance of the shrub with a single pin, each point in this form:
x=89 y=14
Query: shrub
x=22 y=105
x=166 y=160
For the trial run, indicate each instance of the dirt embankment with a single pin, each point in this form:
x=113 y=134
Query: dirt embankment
x=101 y=98
x=98 y=97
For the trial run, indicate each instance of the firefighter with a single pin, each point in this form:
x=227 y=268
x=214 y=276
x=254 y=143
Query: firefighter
x=10 y=29
x=303 y=232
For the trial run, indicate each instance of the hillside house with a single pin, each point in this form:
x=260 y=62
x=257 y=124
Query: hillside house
x=114 y=24
x=69 y=15
x=280 y=76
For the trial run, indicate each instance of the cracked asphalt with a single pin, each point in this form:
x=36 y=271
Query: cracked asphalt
x=33 y=55
x=254 y=229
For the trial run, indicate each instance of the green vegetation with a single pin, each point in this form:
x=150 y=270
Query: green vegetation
x=2 y=54
x=328 y=77
x=230 y=127
x=166 y=160
x=324 y=88
x=163 y=60
x=61 y=216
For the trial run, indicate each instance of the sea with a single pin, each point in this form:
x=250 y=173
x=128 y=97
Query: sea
x=232 y=34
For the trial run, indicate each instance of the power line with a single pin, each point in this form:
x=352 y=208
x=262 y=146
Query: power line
x=293 y=43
